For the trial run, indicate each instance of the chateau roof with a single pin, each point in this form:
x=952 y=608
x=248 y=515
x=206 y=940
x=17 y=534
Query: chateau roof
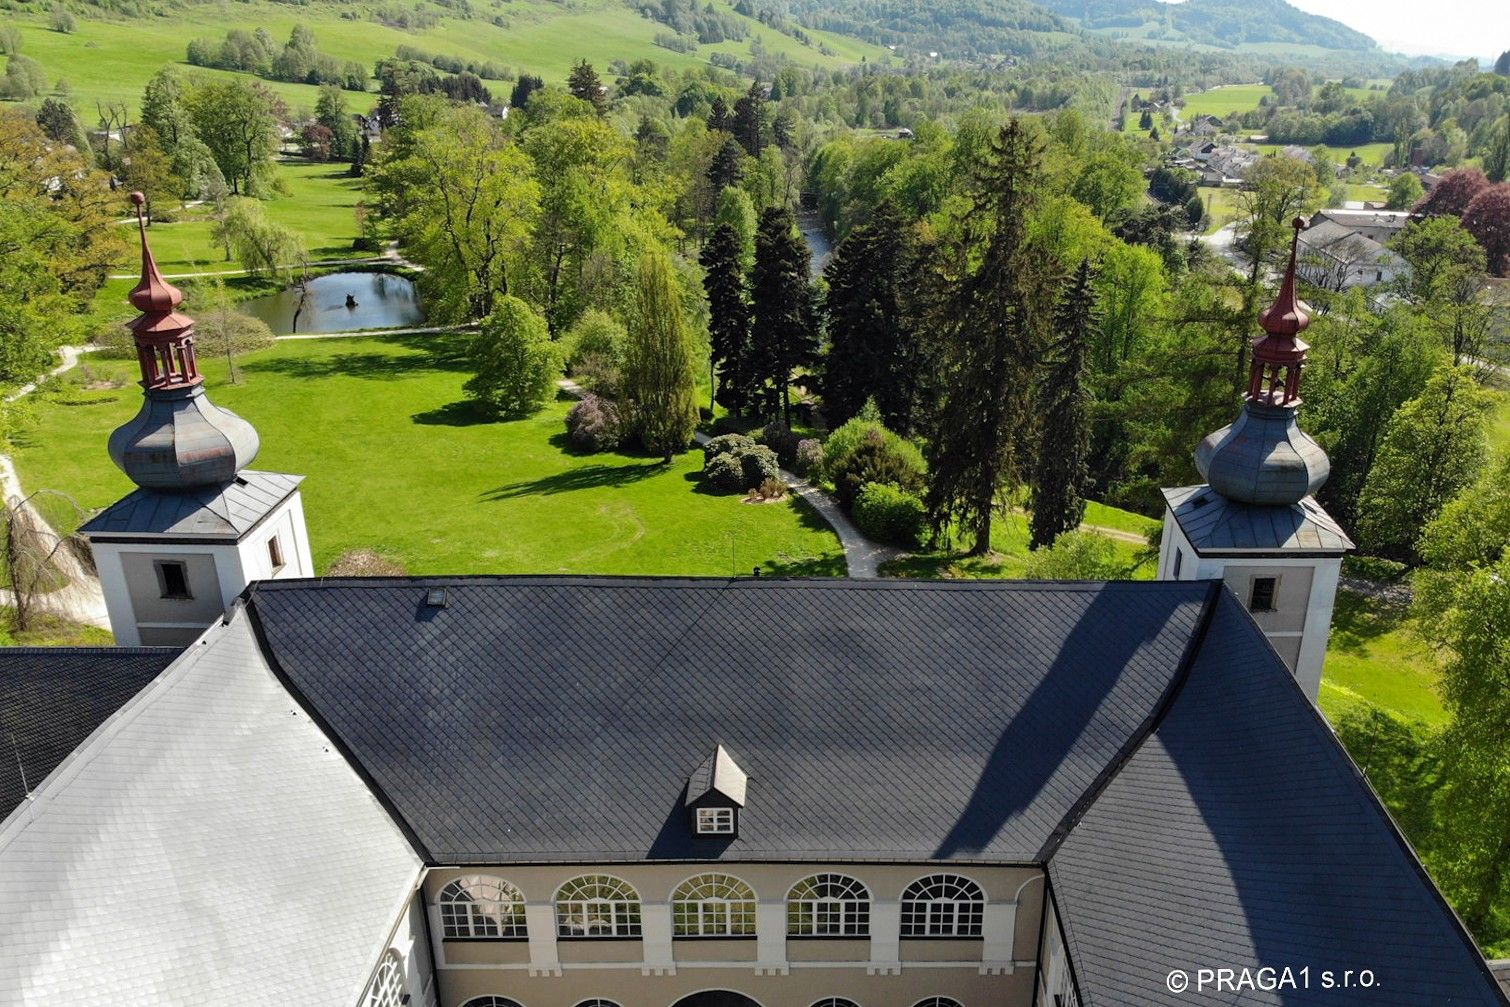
x=222 y=511
x=52 y=698
x=1216 y=525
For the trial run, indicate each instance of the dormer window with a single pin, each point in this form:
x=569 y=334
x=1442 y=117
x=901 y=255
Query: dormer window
x=715 y=795
x=715 y=821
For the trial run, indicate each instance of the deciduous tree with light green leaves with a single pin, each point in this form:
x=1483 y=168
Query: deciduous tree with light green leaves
x=1433 y=446
x=514 y=361
x=659 y=379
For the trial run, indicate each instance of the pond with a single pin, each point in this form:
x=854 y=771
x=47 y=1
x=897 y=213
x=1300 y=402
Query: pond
x=339 y=302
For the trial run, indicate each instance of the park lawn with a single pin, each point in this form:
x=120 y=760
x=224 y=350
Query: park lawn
x=1009 y=551
x=1104 y=516
x=396 y=461
x=1221 y=208
x=1221 y=101
x=1376 y=657
x=1372 y=154
x=1364 y=192
x=51 y=631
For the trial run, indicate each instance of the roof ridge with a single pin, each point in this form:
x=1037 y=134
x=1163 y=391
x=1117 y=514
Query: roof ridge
x=1145 y=730
x=91 y=649
x=712 y=580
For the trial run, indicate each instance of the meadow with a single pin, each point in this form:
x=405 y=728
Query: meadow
x=113 y=60
x=1222 y=101
x=1375 y=656
x=398 y=462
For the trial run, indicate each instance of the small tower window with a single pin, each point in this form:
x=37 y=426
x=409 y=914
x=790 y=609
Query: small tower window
x=1261 y=594
x=275 y=553
x=173 y=579
x=715 y=821
x=1179 y=561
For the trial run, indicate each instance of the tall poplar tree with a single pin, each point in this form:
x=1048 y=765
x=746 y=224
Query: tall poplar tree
x=873 y=350
x=1061 y=472
x=728 y=317
x=989 y=318
x=658 y=376
x=784 y=333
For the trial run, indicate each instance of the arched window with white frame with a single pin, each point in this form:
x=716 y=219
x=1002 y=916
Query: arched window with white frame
x=597 y=905
x=479 y=906
x=597 y=1002
x=387 y=986
x=938 y=1002
x=835 y=1002
x=828 y=905
x=492 y=1001
x=942 y=905
x=713 y=905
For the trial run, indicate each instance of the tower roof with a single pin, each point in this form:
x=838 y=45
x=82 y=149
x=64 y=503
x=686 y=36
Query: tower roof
x=180 y=440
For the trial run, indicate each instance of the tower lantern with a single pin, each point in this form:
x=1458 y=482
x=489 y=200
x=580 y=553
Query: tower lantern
x=1255 y=522
x=200 y=526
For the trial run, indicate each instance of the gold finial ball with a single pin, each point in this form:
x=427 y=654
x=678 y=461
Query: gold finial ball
x=137 y=199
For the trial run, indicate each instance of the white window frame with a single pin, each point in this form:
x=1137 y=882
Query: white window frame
x=275 y=554
x=938 y=1002
x=715 y=821
x=387 y=988
x=481 y=907
x=713 y=905
x=943 y=905
x=491 y=1000
x=605 y=908
x=835 y=1002
x=828 y=905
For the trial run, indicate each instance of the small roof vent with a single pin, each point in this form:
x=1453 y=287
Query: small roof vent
x=435 y=597
x=720 y=776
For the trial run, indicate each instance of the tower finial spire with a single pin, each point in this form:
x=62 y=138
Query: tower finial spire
x=1286 y=316
x=1279 y=355
x=152 y=293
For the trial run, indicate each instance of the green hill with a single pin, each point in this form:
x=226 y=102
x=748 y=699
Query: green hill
x=1259 y=25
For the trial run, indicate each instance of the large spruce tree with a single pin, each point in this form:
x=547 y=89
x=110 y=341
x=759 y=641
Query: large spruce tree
x=728 y=317
x=583 y=82
x=749 y=120
x=872 y=339
x=727 y=165
x=989 y=317
x=783 y=336
x=1061 y=472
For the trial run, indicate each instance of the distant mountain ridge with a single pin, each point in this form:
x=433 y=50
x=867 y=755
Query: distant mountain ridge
x=1223 y=23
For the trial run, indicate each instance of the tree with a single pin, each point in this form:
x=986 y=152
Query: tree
x=583 y=82
x=994 y=298
x=1453 y=192
x=736 y=210
x=237 y=120
x=61 y=20
x=513 y=360
x=61 y=124
x=526 y=85
x=315 y=141
x=332 y=113
x=719 y=116
x=727 y=166
x=1061 y=475
x=784 y=331
x=749 y=126
x=222 y=331
x=1497 y=156
x=1278 y=190
x=1405 y=191
x=1108 y=182
x=874 y=350
x=658 y=371
x=1502 y=65
x=24 y=79
x=1145 y=121
x=148 y=170
x=463 y=199
x=165 y=108
x=1488 y=220
x=728 y=317
x=1433 y=447
x=264 y=247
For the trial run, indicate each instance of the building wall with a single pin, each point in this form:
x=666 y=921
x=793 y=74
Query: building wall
x=775 y=970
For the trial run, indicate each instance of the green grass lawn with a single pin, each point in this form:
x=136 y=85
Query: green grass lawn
x=1371 y=154
x=1375 y=657
x=1009 y=551
x=397 y=462
x=51 y=631
x=1221 y=101
x=1221 y=207
x=112 y=60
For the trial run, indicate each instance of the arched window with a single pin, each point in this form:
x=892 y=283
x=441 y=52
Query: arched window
x=481 y=906
x=828 y=905
x=835 y=1002
x=713 y=905
x=491 y=1001
x=942 y=905
x=597 y=1002
x=387 y=986
x=938 y=1002
x=597 y=905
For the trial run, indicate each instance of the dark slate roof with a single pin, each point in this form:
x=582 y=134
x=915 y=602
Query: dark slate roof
x=545 y=719
x=1215 y=525
x=1240 y=834
x=52 y=698
x=214 y=512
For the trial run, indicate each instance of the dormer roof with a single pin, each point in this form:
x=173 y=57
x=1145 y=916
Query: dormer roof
x=718 y=775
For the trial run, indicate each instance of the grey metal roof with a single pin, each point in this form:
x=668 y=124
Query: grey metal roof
x=559 y=719
x=1262 y=457
x=1241 y=835
x=179 y=439
x=225 y=511
x=1215 y=525
x=52 y=698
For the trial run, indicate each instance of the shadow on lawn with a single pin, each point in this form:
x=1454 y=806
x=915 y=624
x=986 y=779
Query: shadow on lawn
x=1358 y=620
x=349 y=365
x=587 y=477
x=462 y=413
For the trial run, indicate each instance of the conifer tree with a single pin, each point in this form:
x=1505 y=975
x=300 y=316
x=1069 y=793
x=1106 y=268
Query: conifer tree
x=727 y=166
x=728 y=317
x=872 y=342
x=658 y=376
x=719 y=116
x=989 y=319
x=749 y=124
x=584 y=83
x=1061 y=471
x=783 y=335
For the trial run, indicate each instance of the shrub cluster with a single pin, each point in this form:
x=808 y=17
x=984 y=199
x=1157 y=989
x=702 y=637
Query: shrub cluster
x=782 y=441
x=734 y=463
x=891 y=515
x=879 y=457
x=808 y=461
x=595 y=424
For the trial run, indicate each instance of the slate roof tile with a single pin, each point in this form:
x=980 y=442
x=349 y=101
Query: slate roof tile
x=227 y=511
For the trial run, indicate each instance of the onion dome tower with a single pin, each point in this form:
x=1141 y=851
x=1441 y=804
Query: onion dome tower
x=1255 y=522
x=200 y=526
